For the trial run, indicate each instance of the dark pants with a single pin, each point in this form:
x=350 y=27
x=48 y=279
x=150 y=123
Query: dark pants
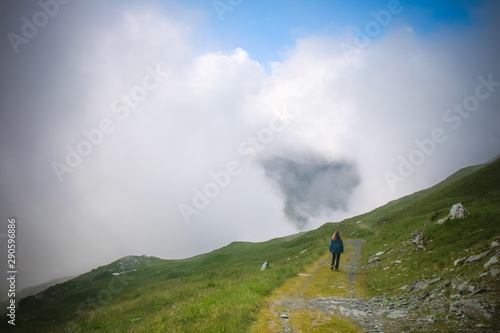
x=336 y=256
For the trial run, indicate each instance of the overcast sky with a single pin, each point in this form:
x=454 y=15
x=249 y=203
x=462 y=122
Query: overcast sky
x=171 y=128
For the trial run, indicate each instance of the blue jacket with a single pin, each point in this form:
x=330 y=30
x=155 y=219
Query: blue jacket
x=336 y=246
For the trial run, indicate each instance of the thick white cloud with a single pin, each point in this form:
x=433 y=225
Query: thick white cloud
x=218 y=108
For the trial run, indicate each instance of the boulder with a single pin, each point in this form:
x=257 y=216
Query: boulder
x=493 y=260
x=478 y=257
x=462 y=288
x=420 y=285
x=373 y=259
x=494 y=271
x=472 y=308
x=458 y=211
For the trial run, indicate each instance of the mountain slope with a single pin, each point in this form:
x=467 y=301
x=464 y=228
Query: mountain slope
x=224 y=290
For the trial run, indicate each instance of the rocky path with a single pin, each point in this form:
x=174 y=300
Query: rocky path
x=324 y=300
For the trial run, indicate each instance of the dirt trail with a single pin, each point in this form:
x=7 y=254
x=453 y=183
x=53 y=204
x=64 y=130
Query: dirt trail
x=322 y=300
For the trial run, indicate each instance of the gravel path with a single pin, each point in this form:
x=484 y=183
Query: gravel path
x=371 y=315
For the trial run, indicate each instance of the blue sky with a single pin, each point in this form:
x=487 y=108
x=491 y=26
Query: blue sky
x=266 y=29
x=157 y=128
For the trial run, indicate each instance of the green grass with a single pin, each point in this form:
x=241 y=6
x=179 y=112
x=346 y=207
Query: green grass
x=478 y=189
x=223 y=291
x=219 y=291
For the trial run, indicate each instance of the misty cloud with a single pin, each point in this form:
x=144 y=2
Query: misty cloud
x=312 y=185
x=224 y=83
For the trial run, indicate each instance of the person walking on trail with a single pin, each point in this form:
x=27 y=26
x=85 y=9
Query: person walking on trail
x=336 y=248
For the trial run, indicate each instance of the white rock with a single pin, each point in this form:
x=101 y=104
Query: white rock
x=457 y=261
x=478 y=257
x=458 y=211
x=494 y=271
x=379 y=253
x=373 y=259
x=264 y=266
x=494 y=244
x=493 y=260
x=441 y=221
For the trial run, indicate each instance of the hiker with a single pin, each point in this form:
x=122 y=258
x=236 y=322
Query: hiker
x=336 y=248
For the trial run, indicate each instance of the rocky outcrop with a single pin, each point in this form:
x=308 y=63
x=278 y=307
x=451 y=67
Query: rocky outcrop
x=458 y=211
x=471 y=308
x=476 y=258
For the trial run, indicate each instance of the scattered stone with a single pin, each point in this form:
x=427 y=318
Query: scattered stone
x=458 y=211
x=380 y=253
x=494 y=271
x=457 y=261
x=493 y=260
x=478 y=257
x=471 y=308
x=431 y=319
x=303 y=251
x=441 y=221
x=479 y=291
x=416 y=238
x=420 y=285
x=358 y=222
x=284 y=316
x=494 y=244
x=471 y=289
x=462 y=288
x=482 y=326
x=397 y=261
x=372 y=260
x=483 y=275
x=264 y=266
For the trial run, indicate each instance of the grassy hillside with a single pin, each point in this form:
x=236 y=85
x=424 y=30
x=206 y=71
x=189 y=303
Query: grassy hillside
x=218 y=291
x=222 y=291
